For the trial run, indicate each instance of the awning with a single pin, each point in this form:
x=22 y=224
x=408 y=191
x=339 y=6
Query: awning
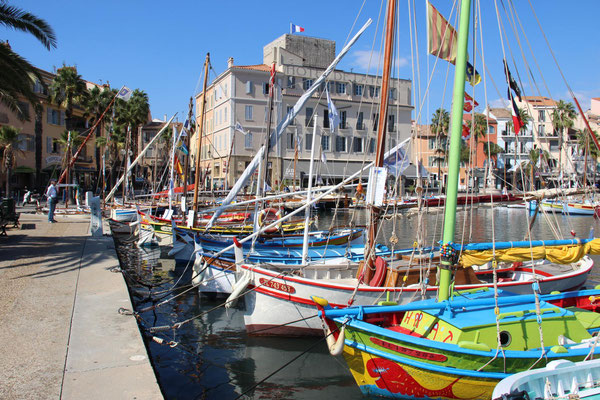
x=24 y=170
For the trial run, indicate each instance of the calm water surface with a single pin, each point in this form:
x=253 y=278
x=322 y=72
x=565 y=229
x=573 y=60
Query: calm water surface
x=215 y=359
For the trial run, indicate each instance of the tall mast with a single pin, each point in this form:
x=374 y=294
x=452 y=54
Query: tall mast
x=382 y=125
x=200 y=131
x=454 y=156
x=264 y=166
x=186 y=167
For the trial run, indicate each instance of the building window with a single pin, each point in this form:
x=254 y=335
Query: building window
x=290 y=141
x=306 y=83
x=325 y=142
x=360 y=121
x=340 y=144
x=375 y=121
x=357 y=145
x=432 y=144
x=249 y=87
x=291 y=82
x=542 y=115
x=248 y=113
x=309 y=120
x=340 y=87
x=492 y=129
x=308 y=138
x=372 y=145
x=391 y=123
x=248 y=140
x=55 y=117
x=265 y=88
x=358 y=89
x=343 y=119
x=289 y=109
x=541 y=130
x=374 y=91
x=325 y=118
x=39 y=88
x=51 y=145
x=392 y=94
x=25 y=142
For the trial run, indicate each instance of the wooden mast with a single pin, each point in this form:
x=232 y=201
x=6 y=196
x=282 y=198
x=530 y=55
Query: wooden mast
x=186 y=167
x=382 y=125
x=200 y=131
x=265 y=164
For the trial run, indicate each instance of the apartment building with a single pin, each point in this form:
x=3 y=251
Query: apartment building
x=40 y=156
x=240 y=95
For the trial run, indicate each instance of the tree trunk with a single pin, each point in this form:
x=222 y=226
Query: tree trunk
x=8 y=182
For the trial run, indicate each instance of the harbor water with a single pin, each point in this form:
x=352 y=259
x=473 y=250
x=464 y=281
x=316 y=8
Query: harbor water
x=209 y=355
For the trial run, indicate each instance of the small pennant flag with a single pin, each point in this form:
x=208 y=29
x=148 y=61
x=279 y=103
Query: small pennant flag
x=296 y=28
x=334 y=118
x=473 y=76
x=469 y=103
x=183 y=148
x=466 y=131
x=125 y=93
x=441 y=36
x=516 y=117
x=511 y=81
x=240 y=128
x=323 y=158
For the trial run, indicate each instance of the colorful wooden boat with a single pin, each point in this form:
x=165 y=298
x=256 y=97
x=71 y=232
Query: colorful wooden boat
x=458 y=349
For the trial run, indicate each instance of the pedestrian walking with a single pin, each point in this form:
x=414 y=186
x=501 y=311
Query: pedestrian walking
x=52 y=195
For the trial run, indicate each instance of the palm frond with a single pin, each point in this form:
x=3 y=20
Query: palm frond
x=17 y=19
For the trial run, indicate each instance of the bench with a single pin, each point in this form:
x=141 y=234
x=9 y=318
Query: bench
x=8 y=215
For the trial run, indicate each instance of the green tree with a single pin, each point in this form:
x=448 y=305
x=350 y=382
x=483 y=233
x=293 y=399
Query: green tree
x=94 y=105
x=9 y=140
x=133 y=113
x=18 y=76
x=67 y=91
x=563 y=118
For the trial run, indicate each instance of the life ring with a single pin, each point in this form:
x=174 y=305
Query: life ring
x=264 y=214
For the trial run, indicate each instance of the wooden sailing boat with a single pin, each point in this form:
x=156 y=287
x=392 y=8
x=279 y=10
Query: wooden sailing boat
x=459 y=348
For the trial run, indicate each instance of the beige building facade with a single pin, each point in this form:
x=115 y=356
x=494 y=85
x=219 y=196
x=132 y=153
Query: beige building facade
x=239 y=95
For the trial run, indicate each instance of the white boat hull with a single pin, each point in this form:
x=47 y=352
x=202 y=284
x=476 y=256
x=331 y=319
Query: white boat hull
x=281 y=303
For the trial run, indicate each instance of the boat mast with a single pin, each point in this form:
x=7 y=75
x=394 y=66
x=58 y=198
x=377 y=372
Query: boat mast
x=308 y=192
x=200 y=131
x=374 y=211
x=264 y=166
x=454 y=152
x=186 y=167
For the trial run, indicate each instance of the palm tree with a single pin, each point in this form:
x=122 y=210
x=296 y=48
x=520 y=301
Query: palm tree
x=68 y=90
x=563 y=118
x=583 y=142
x=18 y=76
x=94 y=105
x=68 y=141
x=133 y=113
x=9 y=140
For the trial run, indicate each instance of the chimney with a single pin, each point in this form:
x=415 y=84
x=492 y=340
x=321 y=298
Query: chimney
x=230 y=62
x=165 y=117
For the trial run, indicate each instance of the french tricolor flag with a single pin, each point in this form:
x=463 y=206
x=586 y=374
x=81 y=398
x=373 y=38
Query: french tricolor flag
x=296 y=28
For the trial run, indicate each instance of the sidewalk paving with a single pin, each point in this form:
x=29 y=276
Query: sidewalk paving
x=63 y=336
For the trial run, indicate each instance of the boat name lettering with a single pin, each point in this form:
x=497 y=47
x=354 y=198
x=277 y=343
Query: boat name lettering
x=409 y=352
x=277 y=286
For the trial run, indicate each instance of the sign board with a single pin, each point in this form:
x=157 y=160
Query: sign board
x=376 y=186
x=190 y=218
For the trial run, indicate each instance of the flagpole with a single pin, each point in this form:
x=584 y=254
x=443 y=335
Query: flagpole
x=308 y=195
x=199 y=132
x=186 y=167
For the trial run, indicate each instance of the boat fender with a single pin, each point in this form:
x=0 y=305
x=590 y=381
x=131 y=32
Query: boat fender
x=198 y=270
x=239 y=253
x=380 y=272
x=336 y=346
x=238 y=288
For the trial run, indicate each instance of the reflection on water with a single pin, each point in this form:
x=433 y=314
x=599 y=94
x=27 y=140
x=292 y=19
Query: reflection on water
x=215 y=358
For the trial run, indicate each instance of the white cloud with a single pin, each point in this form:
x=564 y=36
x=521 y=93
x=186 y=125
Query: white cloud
x=499 y=103
x=360 y=59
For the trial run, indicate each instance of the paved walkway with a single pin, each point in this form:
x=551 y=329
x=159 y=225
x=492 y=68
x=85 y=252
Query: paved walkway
x=61 y=333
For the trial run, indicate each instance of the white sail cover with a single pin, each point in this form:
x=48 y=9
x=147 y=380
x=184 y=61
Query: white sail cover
x=282 y=125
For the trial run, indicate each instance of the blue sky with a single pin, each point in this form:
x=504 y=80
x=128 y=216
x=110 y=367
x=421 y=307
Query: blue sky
x=160 y=47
